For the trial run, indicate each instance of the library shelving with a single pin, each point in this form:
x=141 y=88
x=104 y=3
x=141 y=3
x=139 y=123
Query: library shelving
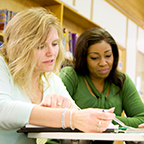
x=68 y=17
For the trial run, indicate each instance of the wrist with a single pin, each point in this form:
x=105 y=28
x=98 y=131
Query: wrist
x=67 y=118
x=74 y=118
x=71 y=119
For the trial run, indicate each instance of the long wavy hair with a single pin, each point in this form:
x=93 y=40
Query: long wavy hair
x=88 y=38
x=23 y=34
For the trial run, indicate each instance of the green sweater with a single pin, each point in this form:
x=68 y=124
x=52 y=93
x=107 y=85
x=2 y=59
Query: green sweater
x=128 y=99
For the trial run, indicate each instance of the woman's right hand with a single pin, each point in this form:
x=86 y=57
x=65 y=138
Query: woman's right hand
x=92 y=120
x=141 y=125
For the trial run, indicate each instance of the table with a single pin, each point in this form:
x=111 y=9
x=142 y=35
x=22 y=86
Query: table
x=89 y=136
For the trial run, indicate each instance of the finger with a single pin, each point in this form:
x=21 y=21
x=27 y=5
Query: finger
x=58 y=101
x=141 y=125
x=101 y=126
x=66 y=103
x=59 y=104
x=54 y=102
x=111 y=110
x=47 y=102
x=105 y=115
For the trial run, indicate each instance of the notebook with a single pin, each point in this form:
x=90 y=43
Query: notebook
x=33 y=128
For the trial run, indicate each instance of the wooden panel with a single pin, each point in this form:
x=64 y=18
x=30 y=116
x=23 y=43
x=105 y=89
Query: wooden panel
x=122 y=58
x=72 y=27
x=78 y=19
x=46 y=2
x=57 y=10
x=134 y=9
x=118 y=142
x=1 y=37
x=140 y=72
x=16 y=5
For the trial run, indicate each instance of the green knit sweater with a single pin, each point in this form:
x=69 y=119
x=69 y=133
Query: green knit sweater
x=128 y=99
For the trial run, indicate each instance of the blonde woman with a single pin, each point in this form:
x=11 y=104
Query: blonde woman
x=30 y=90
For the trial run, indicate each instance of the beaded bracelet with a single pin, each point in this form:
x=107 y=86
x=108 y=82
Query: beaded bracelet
x=63 y=118
x=71 y=119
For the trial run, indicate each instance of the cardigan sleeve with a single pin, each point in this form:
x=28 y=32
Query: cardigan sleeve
x=14 y=113
x=69 y=78
x=132 y=104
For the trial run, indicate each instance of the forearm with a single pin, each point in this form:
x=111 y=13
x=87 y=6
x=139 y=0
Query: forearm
x=84 y=120
x=14 y=114
x=50 y=117
x=131 y=121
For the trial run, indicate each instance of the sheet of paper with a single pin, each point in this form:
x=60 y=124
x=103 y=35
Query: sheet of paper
x=111 y=126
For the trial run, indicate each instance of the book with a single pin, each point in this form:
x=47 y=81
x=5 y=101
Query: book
x=64 y=38
x=74 y=40
x=34 y=128
x=70 y=45
x=3 y=19
x=134 y=130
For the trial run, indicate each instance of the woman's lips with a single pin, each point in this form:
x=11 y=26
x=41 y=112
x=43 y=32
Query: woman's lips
x=48 y=62
x=103 y=71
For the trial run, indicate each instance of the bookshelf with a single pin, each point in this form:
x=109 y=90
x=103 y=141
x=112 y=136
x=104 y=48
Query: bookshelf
x=1 y=37
x=68 y=17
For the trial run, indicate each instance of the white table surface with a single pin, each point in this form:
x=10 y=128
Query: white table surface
x=90 y=136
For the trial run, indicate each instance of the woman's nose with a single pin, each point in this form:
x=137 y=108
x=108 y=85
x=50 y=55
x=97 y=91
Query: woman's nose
x=102 y=61
x=50 y=51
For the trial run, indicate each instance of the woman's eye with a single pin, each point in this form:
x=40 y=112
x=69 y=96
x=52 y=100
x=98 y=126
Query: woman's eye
x=94 y=58
x=41 y=47
x=54 y=44
x=108 y=55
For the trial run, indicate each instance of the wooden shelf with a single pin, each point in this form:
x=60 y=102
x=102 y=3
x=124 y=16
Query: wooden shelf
x=1 y=37
x=44 y=3
x=68 y=17
x=78 y=19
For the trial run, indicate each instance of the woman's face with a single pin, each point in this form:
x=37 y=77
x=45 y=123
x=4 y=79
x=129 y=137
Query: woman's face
x=47 y=53
x=100 y=60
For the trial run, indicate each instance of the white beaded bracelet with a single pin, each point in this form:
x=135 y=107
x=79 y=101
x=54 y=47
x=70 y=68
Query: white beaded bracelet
x=63 y=118
x=71 y=119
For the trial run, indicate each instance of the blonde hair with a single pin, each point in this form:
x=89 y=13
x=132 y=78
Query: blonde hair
x=22 y=35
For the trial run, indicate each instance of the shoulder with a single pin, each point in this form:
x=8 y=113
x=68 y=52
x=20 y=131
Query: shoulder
x=127 y=78
x=128 y=84
x=2 y=62
x=3 y=65
x=52 y=77
x=67 y=71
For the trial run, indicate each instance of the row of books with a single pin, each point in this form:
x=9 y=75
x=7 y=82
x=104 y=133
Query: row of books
x=69 y=42
x=5 y=17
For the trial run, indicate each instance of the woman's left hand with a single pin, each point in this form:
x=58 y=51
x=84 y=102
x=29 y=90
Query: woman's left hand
x=141 y=125
x=56 y=101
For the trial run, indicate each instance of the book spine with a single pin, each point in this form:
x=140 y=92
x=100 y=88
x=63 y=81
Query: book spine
x=74 y=39
x=2 y=19
x=70 y=45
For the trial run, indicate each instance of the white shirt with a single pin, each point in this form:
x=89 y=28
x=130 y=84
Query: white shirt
x=16 y=107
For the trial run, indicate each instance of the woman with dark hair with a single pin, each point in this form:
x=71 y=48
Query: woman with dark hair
x=95 y=81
